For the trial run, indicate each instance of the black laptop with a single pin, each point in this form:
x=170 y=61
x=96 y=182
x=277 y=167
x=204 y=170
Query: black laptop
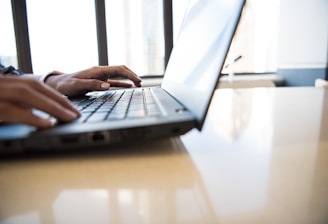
x=139 y=114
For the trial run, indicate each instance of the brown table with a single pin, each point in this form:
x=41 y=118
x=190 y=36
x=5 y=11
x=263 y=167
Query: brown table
x=262 y=157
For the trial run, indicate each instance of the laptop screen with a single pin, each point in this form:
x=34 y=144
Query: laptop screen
x=200 y=51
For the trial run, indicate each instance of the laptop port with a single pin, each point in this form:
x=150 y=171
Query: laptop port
x=176 y=130
x=70 y=139
x=98 y=137
x=7 y=143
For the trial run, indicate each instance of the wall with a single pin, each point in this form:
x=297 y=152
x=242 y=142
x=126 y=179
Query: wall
x=303 y=41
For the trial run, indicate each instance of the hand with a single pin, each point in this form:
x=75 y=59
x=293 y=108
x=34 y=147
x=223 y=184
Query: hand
x=19 y=95
x=92 y=79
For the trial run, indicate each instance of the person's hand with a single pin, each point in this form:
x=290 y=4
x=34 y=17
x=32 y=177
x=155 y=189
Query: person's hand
x=19 y=95
x=93 y=79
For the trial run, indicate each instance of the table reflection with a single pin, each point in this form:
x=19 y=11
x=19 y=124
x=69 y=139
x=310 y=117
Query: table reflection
x=260 y=152
x=126 y=184
x=235 y=163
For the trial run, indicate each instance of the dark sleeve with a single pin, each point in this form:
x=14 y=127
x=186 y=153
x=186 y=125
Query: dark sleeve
x=10 y=70
x=1 y=66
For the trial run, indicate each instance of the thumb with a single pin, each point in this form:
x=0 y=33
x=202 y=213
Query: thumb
x=93 y=85
x=83 y=86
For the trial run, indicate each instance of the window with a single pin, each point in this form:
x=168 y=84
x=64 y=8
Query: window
x=62 y=35
x=8 y=55
x=179 y=8
x=256 y=39
x=135 y=35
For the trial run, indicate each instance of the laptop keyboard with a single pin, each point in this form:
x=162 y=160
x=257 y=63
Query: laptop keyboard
x=117 y=105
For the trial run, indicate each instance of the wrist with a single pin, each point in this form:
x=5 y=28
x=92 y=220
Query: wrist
x=44 y=78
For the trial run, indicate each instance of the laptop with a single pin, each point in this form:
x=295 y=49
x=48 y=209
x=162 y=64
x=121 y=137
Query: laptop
x=174 y=108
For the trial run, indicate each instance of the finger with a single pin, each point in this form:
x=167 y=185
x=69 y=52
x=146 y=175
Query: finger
x=53 y=95
x=115 y=83
x=18 y=86
x=106 y=72
x=125 y=72
x=24 y=94
x=14 y=114
x=82 y=86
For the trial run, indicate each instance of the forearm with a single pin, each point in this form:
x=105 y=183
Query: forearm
x=36 y=77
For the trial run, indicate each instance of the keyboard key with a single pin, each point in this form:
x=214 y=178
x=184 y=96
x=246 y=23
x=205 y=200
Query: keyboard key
x=82 y=118
x=136 y=114
x=98 y=116
x=116 y=116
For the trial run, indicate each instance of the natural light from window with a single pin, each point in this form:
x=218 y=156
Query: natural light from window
x=63 y=36
x=135 y=35
x=8 y=55
x=256 y=39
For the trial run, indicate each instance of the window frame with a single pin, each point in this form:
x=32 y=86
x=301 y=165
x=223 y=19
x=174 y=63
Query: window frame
x=22 y=35
x=19 y=12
